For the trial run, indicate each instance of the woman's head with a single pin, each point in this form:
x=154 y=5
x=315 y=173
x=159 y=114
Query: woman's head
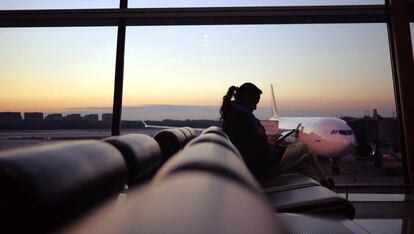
x=247 y=95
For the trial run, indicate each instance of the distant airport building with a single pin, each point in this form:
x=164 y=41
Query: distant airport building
x=33 y=116
x=107 y=117
x=10 y=116
x=91 y=117
x=73 y=117
x=55 y=116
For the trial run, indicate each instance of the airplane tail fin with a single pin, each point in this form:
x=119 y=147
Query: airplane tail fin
x=275 y=116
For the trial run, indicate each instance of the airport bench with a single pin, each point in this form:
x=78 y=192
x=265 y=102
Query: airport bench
x=49 y=186
x=141 y=152
x=43 y=187
x=206 y=188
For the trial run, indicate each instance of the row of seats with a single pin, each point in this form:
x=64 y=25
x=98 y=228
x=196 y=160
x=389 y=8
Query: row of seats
x=44 y=187
x=204 y=188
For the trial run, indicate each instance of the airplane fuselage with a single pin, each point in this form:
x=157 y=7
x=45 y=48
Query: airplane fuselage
x=326 y=136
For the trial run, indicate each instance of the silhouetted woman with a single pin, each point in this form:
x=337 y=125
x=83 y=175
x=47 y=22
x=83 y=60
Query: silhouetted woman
x=243 y=128
x=248 y=135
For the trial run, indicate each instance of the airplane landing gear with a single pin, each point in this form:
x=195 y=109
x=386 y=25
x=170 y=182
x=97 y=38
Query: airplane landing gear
x=335 y=166
x=378 y=160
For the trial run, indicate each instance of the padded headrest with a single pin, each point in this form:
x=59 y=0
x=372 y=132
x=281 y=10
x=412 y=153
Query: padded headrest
x=215 y=138
x=44 y=186
x=187 y=134
x=170 y=140
x=215 y=130
x=189 y=202
x=210 y=157
x=141 y=153
x=192 y=131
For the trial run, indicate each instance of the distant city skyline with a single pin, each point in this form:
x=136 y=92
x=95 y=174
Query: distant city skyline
x=183 y=112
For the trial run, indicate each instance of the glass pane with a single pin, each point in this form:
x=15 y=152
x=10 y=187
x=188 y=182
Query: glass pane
x=181 y=73
x=412 y=34
x=53 y=4
x=233 y=3
x=55 y=84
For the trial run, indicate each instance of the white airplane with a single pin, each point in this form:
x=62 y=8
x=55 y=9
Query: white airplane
x=327 y=137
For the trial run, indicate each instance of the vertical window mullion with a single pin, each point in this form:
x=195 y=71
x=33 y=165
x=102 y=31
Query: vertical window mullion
x=119 y=73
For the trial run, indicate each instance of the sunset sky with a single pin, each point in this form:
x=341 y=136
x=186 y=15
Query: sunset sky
x=322 y=69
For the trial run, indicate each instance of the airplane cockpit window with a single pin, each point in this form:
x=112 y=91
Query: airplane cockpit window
x=341 y=132
x=345 y=132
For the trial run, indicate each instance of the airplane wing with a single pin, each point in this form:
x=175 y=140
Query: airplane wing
x=166 y=127
x=156 y=126
x=284 y=135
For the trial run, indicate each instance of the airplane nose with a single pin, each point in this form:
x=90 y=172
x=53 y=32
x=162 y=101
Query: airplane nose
x=348 y=144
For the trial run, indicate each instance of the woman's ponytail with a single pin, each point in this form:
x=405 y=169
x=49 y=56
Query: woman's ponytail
x=226 y=101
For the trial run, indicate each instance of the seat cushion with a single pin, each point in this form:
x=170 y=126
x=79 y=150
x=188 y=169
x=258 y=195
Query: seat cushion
x=141 y=153
x=214 y=138
x=301 y=223
x=210 y=157
x=187 y=133
x=189 y=202
x=287 y=181
x=44 y=186
x=215 y=130
x=312 y=199
x=170 y=141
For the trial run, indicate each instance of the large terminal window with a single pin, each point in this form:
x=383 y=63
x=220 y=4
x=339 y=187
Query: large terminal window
x=177 y=75
x=55 y=84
